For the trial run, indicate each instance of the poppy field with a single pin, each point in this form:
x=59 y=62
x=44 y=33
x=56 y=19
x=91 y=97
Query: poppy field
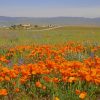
x=61 y=71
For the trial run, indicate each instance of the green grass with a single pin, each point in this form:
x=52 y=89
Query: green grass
x=56 y=36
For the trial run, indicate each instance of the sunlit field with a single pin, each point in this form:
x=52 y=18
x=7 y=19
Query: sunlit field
x=56 y=36
x=58 y=64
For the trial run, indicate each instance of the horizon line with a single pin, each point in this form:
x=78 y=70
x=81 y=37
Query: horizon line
x=49 y=16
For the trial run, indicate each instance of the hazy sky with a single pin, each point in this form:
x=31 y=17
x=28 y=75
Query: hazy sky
x=50 y=8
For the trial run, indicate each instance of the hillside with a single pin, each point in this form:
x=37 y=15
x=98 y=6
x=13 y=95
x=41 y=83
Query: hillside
x=7 y=21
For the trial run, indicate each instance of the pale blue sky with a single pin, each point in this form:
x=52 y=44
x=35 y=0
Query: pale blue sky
x=50 y=8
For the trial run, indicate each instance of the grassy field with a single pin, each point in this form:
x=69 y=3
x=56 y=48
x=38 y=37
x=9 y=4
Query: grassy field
x=60 y=35
x=63 y=64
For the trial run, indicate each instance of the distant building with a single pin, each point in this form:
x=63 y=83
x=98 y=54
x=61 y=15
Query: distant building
x=26 y=25
x=21 y=26
x=50 y=26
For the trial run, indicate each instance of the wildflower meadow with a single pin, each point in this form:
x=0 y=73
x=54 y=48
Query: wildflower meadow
x=50 y=72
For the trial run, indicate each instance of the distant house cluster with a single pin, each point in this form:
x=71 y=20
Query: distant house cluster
x=21 y=26
x=28 y=26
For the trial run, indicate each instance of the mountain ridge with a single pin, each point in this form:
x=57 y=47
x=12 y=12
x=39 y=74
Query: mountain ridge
x=8 y=21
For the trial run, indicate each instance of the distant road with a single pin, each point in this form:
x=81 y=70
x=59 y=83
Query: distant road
x=49 y=28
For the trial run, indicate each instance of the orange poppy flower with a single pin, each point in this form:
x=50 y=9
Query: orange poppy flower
x=7 y=78
x=77 y=92
x=56 y=80
x=72 y=79
x=64 y=79
x=82 y=95
x=88 y=78
x=46 y=78
x=1 y=79
x=17 y=90
x=44 y=87
x=3 y=92
x=38 y=84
